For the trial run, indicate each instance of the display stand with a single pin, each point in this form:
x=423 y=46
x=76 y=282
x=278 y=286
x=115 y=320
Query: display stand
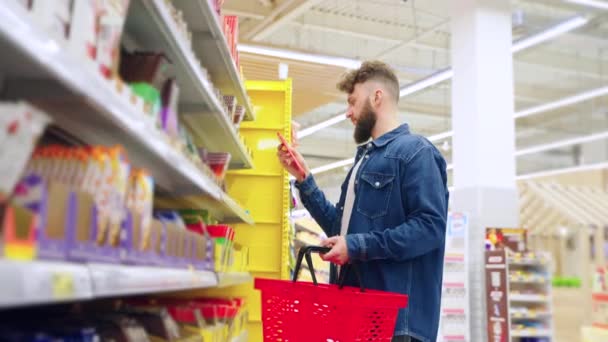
x=264 y=190
x=454 y=320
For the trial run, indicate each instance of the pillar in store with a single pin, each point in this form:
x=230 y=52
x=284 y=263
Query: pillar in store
x=482 y=120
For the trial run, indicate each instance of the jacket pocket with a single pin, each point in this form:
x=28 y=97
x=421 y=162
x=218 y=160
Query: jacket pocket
x=374 y=194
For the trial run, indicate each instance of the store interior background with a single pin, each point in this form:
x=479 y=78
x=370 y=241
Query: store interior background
x=560 y=96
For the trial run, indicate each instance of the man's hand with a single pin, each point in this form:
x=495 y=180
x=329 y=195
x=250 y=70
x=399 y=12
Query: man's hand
x=289 y=164
x=339 y=250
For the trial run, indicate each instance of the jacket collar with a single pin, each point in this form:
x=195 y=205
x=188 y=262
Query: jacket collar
x=389 y=136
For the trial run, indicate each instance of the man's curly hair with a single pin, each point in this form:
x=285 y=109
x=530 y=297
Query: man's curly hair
x=371 y=70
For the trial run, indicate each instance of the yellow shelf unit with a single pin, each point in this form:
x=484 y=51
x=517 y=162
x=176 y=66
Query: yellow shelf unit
x=264 y=192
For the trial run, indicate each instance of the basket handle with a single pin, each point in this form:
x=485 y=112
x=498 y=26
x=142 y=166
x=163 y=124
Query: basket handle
x=305 y=253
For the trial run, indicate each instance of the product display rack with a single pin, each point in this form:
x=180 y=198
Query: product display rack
x=87 y=108
x=31 y=52
x=530 y=307
x=45 y=282
x=265 y=191
x=208 y=41
x=150 y=23
x=455 y=312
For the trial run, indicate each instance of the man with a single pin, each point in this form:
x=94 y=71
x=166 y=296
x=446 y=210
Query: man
x=391 y=216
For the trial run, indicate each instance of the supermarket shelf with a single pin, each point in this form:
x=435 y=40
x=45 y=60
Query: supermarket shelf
x=519 y=280
x=152 y=26
x=116 y=280
x=531 y=333
x=243 y=337
x=234 y=278
x=528 y=315
x=526 y=261
x=233 y=212
x=28 y=283
x=528 y=298
x=212 y=49
x=224 y=208
x=46 y=282
x=31 y=54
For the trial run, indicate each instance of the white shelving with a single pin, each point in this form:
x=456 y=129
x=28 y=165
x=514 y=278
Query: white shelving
x=151 y=24
x=231 y=279
x=110 y=118
x=530 y=307
x=530 y=315
x=44 y=282
x=40 y=282
x=210 y=44
x=528 y=298
x=112 y=280
x=243 y=337
x=531 y=333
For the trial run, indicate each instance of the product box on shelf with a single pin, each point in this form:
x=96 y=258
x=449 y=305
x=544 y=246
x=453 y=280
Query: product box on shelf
x=53 y=17
x=111 y=21
x=185 y=247
x=54 y=206
x=20 y=127
x=83 y=30
x=18 y=228
x=145 y=246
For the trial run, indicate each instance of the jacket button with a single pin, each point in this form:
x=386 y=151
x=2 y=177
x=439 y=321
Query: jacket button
x=377 y=184
x=366 y=156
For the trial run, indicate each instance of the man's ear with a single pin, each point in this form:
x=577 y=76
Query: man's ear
x=378 y=95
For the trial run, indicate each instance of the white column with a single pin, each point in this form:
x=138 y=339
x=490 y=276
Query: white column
x=484 y=138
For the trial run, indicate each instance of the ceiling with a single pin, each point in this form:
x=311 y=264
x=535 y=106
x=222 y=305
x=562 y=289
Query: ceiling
x=414 y=37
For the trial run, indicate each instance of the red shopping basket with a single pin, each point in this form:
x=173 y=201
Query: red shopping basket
x=310 y=312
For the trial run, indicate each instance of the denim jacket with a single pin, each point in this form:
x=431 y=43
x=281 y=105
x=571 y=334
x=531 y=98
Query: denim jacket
x=397 y=228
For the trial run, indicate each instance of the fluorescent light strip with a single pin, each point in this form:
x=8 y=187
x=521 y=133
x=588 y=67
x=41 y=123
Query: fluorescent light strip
x=556 y=172
x=332 y=166
x=563 y=102
x=300 y=56
x=440 y=136
x=531 y=150
x=445 y=74
x=314 y=128
x=543 y=36
x=563 y=143
x=590 y=3
x=543 y=108
x=424 y=83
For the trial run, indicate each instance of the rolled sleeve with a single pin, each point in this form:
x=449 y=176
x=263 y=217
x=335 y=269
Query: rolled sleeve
x=356 y=245
x=307 y=186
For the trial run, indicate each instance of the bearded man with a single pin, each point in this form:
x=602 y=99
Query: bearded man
x=391 y=216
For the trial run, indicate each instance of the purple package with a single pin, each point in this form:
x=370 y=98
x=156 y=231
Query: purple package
x=55 y=215
x=170 y=96
x=89 y=249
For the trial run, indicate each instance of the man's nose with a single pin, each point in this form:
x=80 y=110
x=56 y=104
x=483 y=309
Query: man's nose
x=349 y=112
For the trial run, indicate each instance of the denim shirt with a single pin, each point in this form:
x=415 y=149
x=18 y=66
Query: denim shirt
x=397 y=228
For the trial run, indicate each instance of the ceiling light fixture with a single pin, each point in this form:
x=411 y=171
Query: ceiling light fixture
x=581 y=97
x=317 y=127
x=563 y=143
x=548 y=34
x=446 y=74
x=588 y=95
x=591 y=3
x=299 y=56
x=555 y=172
x=332 y=166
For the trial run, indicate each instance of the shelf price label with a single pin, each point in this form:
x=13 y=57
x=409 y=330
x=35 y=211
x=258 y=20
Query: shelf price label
x=62 y=284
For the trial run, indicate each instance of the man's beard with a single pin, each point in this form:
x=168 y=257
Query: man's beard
x=365 y=124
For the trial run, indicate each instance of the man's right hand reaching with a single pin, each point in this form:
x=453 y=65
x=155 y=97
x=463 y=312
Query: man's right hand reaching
x=289 y=164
